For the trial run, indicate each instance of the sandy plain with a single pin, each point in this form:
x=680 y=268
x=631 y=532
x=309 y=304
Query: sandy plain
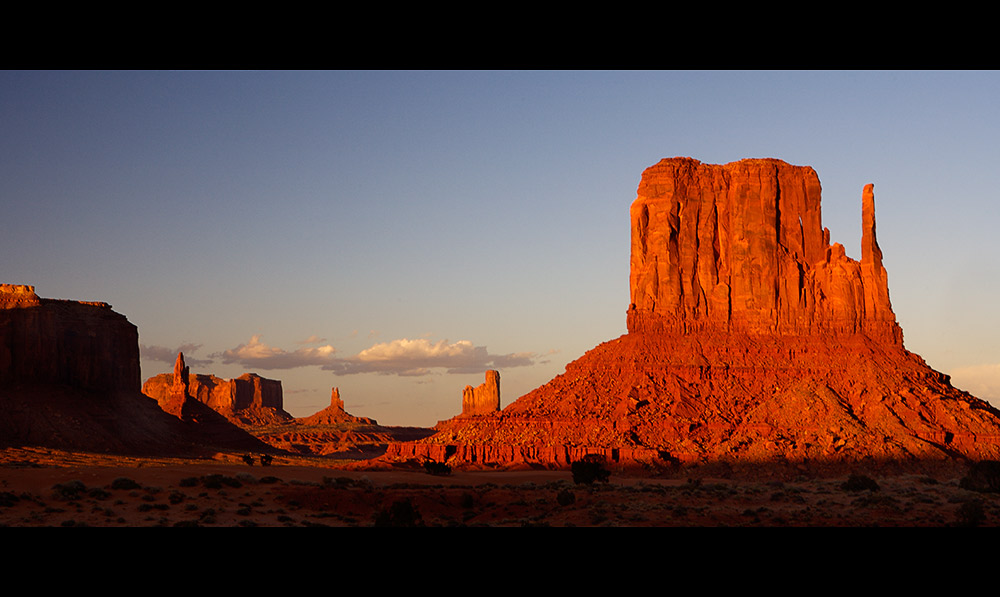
x=44 y=488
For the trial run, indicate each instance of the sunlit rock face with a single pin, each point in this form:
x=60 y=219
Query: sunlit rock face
x=484 y=398
x=741 y=247
x=751 y=339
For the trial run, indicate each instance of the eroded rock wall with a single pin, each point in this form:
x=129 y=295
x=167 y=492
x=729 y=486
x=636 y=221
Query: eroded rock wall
x=741 y=247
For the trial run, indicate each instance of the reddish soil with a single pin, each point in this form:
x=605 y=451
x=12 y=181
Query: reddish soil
x=44 y=488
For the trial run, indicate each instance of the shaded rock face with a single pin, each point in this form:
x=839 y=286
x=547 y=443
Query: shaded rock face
x=751 y=339
x=80 y=344
x=248 y=399
x=70 y=379
x=741 y=247
x=484 y=398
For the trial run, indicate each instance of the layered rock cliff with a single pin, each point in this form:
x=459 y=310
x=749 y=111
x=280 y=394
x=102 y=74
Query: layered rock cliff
x=751 y=339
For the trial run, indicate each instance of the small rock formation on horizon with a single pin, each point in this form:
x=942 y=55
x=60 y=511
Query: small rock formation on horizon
x=484 y=399
x=247 y=400
x=334 y=414
x=336 y=433
x=751 y=340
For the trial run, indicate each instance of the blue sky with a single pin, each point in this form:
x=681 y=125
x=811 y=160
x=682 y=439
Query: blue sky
x=394 y=234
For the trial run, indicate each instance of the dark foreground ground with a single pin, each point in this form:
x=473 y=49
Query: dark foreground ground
x=52 y=489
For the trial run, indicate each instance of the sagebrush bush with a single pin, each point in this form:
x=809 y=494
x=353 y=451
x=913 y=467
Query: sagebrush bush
x=983 y=476
x=858 y=482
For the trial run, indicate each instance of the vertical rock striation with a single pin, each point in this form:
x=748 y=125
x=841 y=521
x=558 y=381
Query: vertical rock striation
x=484 y=399
x=741 y=248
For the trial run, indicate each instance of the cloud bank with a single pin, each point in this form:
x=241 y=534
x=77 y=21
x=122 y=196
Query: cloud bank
x=257 y=355
x=402 y=357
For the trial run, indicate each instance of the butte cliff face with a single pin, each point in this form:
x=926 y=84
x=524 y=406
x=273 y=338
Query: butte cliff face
x=741 y=248
x=79 y=344
x=751 y=339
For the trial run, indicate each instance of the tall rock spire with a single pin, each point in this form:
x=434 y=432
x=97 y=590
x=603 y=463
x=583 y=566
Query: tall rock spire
x=179 y=393
x=875 y=280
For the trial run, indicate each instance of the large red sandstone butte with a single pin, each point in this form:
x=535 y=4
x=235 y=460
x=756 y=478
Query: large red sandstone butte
x=751 y=339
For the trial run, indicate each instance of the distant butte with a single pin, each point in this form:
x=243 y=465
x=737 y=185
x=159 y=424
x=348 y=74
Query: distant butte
x=751 y=339
x=247 y=400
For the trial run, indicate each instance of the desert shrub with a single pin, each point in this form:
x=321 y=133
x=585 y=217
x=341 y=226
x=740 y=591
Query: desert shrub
x=401 y=513
x=590 y=470
x=859 y=482
x=983 y=476
x=971 y=514
x=468 y=500
x=98 y=494
x=439 y=469
x=70 y=490
x=124 y=483
x=217 y=481
x=565 y=497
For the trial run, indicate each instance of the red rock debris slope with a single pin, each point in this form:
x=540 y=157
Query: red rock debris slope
x=751 y=339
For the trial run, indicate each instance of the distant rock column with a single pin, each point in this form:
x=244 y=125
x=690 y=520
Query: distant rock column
x=335 y=402
x=179 y=391
x=485 y=398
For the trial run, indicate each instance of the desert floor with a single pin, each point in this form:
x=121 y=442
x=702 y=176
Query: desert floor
x=40 y=488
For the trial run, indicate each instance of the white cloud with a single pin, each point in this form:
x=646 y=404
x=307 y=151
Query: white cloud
x=256 y=354
x=403 y=357
x=421 y=356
